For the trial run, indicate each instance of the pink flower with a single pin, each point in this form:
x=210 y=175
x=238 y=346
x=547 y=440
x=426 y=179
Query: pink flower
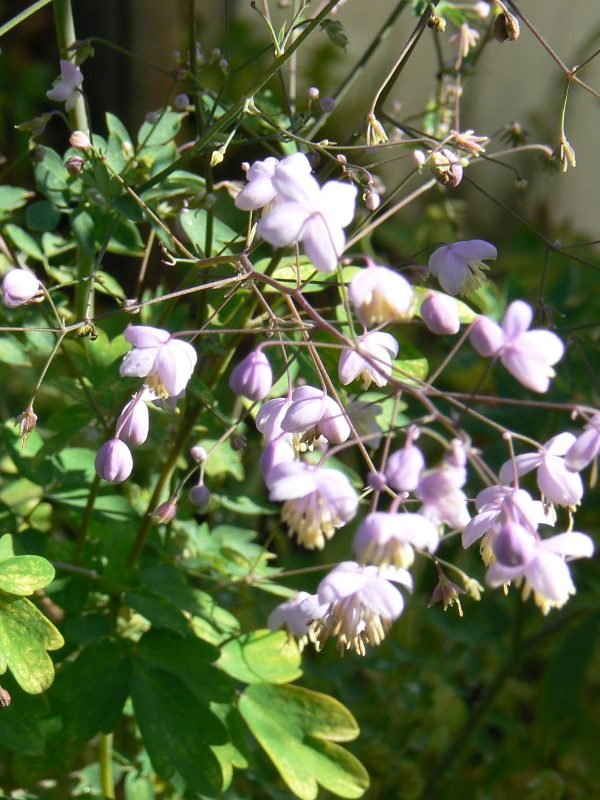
x=297 y=614
x=252 y=377
x=19 y=287
x=388 y=538
x=586 y=447
x=541 y=563
x=371 y=361
x=404 y=467
x=67 y=89
x=458 y=267
x=270 y=416
x=311 y=414
x=316 y=500
x=260 y=189
x=380 y=295
x=554 y=479
x=439 y=312
x=113 y=461
x=167 y=363
x=362 y=604
x=441 y=490
x=527 y=355
x=277 y=451
x=308 y=213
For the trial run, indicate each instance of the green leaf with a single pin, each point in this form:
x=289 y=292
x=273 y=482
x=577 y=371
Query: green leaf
x=25 y=635
x=298 y=729
x=410 y=370
x=157 y=610
x=193 y=223
x=42 y=216
x=12 y=197
x=24 y=242
x=160 y=132
x=52 y=178
x=12 y=352
x=23 y=575
x=224 y=459
x=177 y=730
x=261 y=656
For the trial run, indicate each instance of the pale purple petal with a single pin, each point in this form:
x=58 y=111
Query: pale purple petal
x=475 y=250
x=138 y=363
x=175 y=363
x=283 y=225
x=486 y=337
x=550 y=577
x=290 y=480
x=584 y=450
x=524 y=463
x=570 y=545
x=517 y=319
x=323 y=243
x=557 y=483
x=254 y=195
x=146 y=336
x=337 y=203
x=559 y=445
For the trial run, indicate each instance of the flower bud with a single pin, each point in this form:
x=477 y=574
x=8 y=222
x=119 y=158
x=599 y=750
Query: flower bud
x=134 y=422
x=181 y=102
x=506 y=27
x=19 y=287
x=372 y=200
x=113 y=461
x=74 y=165
x=404 y=468
x=199 y=496
x=377 y=481
x=327 y=104
x=439 y=312
x=446 y=167
x=26 y=422
x=80 y=140
x=165 y=512
x=198 y=453
x=313 y=93
x=253 y=377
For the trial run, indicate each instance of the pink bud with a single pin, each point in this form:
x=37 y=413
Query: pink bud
x=253 y=377
x=19 y=287
x=404 y=468
x=80 y=140
x=198 y=453
x=439 y=312
x=372 y=200
x=133 y=423
x=165 y=512
x=313 y=93
x=74 y=165
x=113 y=461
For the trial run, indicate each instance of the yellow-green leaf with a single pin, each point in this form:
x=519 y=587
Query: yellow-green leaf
x=261 y=656
x=24 y=575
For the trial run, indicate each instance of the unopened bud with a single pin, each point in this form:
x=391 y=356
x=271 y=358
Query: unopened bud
x=217 y=156
x=223 y=65
x=198 y=453
x=506 y=27
x=437 y=23
x=419 y=158
x=238 y=442
x=446 y=167
x=26 y=422
x=199 y=496
x=372 y=200
x=313 y=93
x=327 y=104
x=165 y=512
x=439 y=312
x=131 y=305
x=80 y=140
x=74 y=165
x=152 y=117
x=181 y=102
x=377 y=481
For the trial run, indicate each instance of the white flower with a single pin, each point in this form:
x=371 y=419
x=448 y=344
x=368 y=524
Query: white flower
x=372 y=359
x=380 y=295
x=557 y=483
x=167 y=363
x=260 y=190
x=67 y=89
x=362 y=603
x=316 y=500
x=387 y=538
x=308 y=213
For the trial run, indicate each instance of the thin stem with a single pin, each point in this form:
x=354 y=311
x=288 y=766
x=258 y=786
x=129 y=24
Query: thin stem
x=106 y=766
x=25 y=14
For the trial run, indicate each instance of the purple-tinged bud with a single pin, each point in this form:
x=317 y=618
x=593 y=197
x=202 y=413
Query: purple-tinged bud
x=439 y=312
x=114 y=461
x=26 y=422
x=486 y=337
x=377 y=481
x=181 y=102
x=80 y=140
x=199 y=496
x=457 y=454
x=276 y=452
x=372 y=200
x=198 y=453
x=134 y=422
x=165 y=512
x=74 y=165
x=19 y=287
x=327 y=104
x=514 y=545
x=313 y=93
x=253 y=377
x=152 y=117
x=404 y=468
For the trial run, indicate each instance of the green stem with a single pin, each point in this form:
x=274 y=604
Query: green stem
x=106 y=766
x=16 y=20
x=65 y=35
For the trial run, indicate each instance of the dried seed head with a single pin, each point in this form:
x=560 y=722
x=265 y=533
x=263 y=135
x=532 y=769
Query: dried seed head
x=506 y=27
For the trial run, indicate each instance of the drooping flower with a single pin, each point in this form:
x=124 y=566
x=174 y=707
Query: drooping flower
x=277 y=451
x=260 y=190
x=381 y=295
x=439 y=312
x=199 y=495
x=557 y=483
x=168 y=363
x=270 y=415
x=252 y=377
x=441 y=492
x=308 y=213
x=114 y=461
x=362 y=604
x=404 y=468
x=458 y=267
x=540 y=563
x=390 y=538
x=312 y=414
x=528 y=355
x=371 y=360
x=165 y=512
x=317 y=500
x=586 y=447
x=466 y=38
x=67 y=89
x=19 y=287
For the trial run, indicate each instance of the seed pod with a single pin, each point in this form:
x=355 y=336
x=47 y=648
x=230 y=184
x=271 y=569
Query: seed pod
x=506 y=27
